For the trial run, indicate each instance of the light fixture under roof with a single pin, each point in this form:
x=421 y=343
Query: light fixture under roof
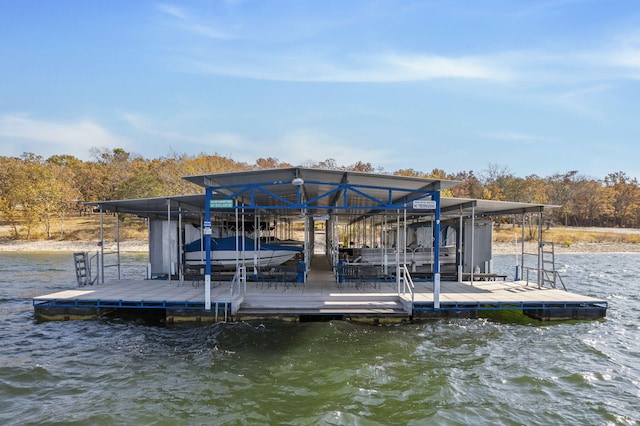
x=298 y=181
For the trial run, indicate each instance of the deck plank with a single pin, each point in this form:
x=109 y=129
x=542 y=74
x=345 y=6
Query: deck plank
x=463 y=292
x=321 y=292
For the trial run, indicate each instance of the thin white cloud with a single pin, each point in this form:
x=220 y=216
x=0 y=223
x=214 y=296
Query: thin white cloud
x=615 y=58
x=181 y=19
x=259 y=54
x=427 y=67
x=172 y=10
x=628 y=58
x=582 y=100
x=210 y=32
x=626 y=53
x=50 y=138
x=384 y=68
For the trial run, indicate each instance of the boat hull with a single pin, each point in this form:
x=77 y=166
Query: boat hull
x=226 y=254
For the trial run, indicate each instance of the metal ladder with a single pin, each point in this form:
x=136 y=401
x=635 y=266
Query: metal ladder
x=549 y=275
x=82 y=264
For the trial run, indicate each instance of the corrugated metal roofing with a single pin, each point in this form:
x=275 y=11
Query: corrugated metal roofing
x=274 y=186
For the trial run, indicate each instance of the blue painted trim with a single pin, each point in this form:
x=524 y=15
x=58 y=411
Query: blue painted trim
x=436 y=231
x=207 y=241
x=506 y=306
x=335 y=188
x=129 y=304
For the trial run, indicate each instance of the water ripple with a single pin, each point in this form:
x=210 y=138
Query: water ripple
x=502 y=369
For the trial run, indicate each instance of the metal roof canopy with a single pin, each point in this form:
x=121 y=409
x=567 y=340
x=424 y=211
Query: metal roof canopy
x=468 y=206
x=319 y=191
x=345 y=192
x=274 y=192
x=157 y=207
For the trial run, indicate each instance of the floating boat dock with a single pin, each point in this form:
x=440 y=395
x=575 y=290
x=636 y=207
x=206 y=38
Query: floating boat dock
x=369 y=247
x=320 y=298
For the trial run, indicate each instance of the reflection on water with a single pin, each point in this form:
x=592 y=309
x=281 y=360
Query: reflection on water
x=504 y=369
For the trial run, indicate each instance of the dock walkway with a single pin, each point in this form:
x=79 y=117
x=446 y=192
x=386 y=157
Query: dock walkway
x=320 y=296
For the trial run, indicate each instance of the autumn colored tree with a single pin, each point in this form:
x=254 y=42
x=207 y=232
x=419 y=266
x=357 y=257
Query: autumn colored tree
x=144 y=182
x=58 y=194
x=625 y=197
x=13 y=178
x=107 y=173
x=171 y=171
x=26 y=190
x=270 y=163
x=559 y=189
x=328 y=164
x=36 y=194
x=589 y=204
x=359 y=166
x=408 y=173
x=438 y=174
x=495 y=181
x=471 y=187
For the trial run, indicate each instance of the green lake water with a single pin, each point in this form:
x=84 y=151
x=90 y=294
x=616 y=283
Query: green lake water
x=503 y=369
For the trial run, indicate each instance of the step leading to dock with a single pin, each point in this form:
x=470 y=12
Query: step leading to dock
x=335 y=307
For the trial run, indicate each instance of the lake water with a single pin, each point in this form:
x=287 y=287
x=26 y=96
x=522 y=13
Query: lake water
x=499 y=370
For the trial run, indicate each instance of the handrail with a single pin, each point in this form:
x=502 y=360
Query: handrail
x=239 y=278
x=555 y=276
x=110 y=265
x=528 y=269
x=543 y=276
x=404 y=277
x=94 y=279
x=235 y=281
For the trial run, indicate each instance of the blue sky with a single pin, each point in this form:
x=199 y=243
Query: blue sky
x=538 y=87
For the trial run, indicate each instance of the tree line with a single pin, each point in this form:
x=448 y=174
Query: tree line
x=37 y=193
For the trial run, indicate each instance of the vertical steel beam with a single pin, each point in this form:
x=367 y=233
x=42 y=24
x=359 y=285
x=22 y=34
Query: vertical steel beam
x=207 y=248
x=101 y=245
x=436 y=251
x=169 y=239
x=540 y=265
x=460 y=254
x=118 y=241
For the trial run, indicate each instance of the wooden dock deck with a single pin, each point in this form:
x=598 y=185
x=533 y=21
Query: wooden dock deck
x=320 y=297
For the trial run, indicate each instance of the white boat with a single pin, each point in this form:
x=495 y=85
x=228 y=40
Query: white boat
x=229 y=251
x=419 y=256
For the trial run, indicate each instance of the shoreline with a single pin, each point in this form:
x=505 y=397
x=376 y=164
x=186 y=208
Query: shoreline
x=71 y=246
x=577 y=247
x=136 y=246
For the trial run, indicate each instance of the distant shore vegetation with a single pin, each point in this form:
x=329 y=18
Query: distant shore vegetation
x=37 y=195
